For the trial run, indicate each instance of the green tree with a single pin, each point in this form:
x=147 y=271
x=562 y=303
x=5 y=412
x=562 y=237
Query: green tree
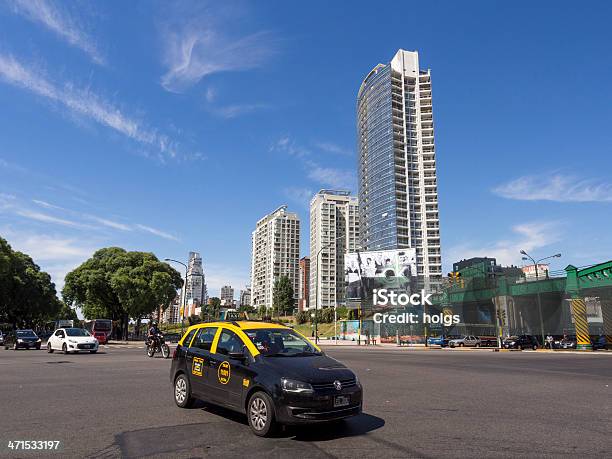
x=282 y=296
x=342 y=312
x=214 y=307
x=27 y=295
x=194 y=319
x=327 y=315
x=246 y=308
x=120 y=285
x=66 y=312
x=302 y=317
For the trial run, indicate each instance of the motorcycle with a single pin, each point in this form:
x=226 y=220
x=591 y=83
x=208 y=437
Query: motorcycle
x=158 y=344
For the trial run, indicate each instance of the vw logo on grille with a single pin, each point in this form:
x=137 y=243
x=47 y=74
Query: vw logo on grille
x=337 y=385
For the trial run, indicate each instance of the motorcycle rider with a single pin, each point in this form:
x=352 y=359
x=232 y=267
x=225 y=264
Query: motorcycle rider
x=153 y=332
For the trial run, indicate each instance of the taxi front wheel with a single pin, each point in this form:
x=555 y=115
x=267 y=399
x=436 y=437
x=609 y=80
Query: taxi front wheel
x=182 y=392
x=260 y=413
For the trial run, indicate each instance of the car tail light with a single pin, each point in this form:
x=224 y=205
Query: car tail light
x=174 y=353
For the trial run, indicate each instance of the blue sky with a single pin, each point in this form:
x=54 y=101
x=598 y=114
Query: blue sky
x=170 y=128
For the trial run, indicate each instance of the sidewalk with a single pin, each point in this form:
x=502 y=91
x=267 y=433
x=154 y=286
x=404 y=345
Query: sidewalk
x=329 y=344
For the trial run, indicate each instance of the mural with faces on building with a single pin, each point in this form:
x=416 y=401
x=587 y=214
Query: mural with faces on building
x=393 y=270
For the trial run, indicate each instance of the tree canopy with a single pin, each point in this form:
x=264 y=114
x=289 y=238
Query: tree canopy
x=118 y=284
x=211 y=309
x=27 y=295
x=282 y=296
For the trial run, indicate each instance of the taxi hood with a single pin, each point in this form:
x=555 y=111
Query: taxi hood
x=311 y=369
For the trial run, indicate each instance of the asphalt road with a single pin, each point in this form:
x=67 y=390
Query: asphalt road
x=118 y=403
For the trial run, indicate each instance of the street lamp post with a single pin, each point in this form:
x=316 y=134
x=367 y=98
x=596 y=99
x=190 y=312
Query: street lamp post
x=184 y=292
x=329 y=244
x=535 y=263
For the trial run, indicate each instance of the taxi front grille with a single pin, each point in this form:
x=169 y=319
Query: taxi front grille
x=330 y=385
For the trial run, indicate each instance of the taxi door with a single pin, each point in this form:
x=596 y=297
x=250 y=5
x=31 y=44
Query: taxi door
x=198 y=360
x=228 y=376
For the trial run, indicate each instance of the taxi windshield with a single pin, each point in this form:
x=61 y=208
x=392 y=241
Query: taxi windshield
x=278 y=342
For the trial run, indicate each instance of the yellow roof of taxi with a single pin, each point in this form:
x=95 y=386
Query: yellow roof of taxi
x=243 y=324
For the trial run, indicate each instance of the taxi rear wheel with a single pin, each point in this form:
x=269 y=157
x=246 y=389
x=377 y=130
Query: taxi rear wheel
x=182 y=392
x=260 y=414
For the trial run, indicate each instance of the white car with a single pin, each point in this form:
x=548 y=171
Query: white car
x=469 y=340
x=72 y=340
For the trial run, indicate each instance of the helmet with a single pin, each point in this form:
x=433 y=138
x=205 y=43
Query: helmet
x=153 y=323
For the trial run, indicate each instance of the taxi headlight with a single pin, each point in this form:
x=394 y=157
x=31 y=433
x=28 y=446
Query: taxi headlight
x=296 y=387
x=19 y=340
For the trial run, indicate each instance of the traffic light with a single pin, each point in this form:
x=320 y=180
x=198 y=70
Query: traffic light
x=455 y=278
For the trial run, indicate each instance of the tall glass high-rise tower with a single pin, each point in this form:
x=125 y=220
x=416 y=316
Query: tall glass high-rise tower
x=398 y=194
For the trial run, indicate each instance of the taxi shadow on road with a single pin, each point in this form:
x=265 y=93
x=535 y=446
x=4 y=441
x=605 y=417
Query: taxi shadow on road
x=352 y=427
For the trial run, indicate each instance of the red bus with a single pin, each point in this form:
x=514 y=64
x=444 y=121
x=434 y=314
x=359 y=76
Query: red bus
x=101 y=329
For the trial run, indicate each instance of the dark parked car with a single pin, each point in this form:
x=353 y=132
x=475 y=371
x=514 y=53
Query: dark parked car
x=26 y=339
x=600 y=343
x=521 y=342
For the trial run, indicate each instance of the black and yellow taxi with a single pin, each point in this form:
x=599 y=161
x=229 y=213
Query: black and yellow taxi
x=267 y=371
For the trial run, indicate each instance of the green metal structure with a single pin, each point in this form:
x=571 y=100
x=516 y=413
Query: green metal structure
x=554 y=298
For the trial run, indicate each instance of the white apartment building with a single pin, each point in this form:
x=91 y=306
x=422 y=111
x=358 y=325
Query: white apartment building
x=398 y=193
x=245 y=296
x=334 y=231
x=275 y=252
x=227 y=295
x=171 y=314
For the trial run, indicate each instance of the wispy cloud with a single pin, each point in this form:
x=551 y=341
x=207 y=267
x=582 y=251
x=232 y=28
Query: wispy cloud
x=53 y=16
x=63 y=216
x=287 y=145
x=328 y=176
x=530 y=236
x=57 y=255
x=46 y=204
x=330 y=147
x=233 y=111
x=299 y=195
x=556 y=187
x=197 y=42
x=157 y=232
x=110 y=223
x=331 y=176
x=46 y=218
x=85 y=103
x=210 y=94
